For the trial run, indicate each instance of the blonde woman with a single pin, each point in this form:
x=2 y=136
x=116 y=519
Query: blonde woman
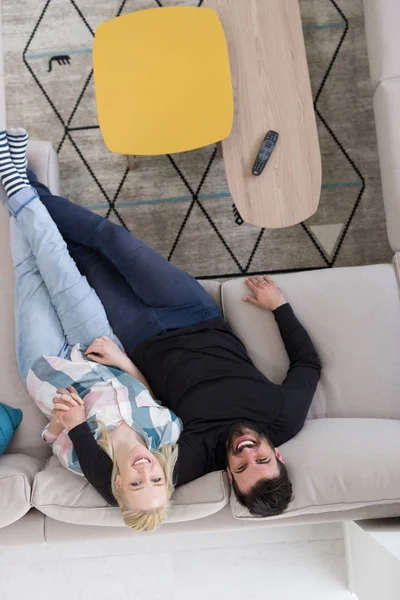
x=62 y=334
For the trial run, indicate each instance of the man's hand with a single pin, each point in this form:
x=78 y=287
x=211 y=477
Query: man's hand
x=69 y=408
x=106 y=352
x=267 y=295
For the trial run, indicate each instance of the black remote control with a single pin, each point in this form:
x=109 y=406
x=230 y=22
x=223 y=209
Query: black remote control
x=265 y=152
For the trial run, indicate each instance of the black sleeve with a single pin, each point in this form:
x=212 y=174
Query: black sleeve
x=300 y=383
x=96 y=465
x=192 y=459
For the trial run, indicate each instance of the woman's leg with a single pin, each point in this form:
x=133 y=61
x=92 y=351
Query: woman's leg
x=37 y=326
x=178 y=298
x=80 y=311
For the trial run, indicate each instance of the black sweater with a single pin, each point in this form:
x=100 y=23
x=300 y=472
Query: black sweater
x=204 y=374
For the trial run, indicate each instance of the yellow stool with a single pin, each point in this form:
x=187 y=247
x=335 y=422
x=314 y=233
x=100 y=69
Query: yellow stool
x=162 y=81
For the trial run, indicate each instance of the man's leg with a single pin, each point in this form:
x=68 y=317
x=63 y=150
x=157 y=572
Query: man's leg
x=38 y=330
x=178 y=298
x=80 y=311
x=131 y=319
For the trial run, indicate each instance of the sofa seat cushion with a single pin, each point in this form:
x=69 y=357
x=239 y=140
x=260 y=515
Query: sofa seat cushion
x=338 y=465
x=65 y=496
x=353 y=317
x=17 y=473
x=43 y=159
x=27 y=438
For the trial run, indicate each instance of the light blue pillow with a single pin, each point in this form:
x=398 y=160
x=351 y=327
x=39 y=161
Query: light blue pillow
x=10 y=418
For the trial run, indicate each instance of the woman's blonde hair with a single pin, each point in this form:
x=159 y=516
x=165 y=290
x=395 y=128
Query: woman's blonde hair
x=142 y=520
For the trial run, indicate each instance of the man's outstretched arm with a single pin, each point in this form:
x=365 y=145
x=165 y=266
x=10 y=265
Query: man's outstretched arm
x=300 y=383
x=303 y=357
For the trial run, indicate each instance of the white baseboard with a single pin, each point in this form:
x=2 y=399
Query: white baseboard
x=67 y=547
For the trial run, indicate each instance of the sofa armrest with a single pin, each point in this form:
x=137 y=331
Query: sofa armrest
x=382 y=18
x=17 y=473
x=43 y=159
x=396 y=266
x=387 y=120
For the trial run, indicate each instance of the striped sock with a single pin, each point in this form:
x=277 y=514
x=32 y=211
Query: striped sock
x=10 y=178
x=17 y=142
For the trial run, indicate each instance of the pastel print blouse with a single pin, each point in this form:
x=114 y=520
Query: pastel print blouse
x=109 y=394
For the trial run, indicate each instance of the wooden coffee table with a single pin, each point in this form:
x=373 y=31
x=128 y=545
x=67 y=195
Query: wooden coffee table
x=271 y=91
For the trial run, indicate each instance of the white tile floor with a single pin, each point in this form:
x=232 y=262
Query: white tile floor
x=313 y=570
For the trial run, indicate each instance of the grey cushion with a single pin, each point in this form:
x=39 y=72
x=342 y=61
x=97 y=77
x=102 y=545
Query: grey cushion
x=340 y=464
x=16 y=476
x=213 y=288
x=353 y=317
x=12 y=391
x=67 y=497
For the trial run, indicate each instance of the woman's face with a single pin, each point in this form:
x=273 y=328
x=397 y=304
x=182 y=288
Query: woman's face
x=142 y=480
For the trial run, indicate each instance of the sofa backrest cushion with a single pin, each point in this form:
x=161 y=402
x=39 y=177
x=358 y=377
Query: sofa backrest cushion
x=65 y=496
x=353 y=317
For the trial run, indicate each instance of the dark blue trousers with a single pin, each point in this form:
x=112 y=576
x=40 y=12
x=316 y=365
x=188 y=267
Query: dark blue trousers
x=143 y=294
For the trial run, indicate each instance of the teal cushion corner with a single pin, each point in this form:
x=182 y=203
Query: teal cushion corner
x=10 y=418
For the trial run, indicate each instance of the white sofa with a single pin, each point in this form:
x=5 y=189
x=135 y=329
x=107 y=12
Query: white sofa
x=382 y=20
x=343 y=464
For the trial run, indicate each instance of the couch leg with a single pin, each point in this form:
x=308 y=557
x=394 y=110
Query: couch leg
x=131 y=161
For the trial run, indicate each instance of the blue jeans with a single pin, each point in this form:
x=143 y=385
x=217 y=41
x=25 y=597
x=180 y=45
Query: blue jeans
x=143 y=294
x=55 y=307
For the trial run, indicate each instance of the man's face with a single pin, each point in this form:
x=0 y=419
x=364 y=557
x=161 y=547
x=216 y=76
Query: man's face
x=250 y=457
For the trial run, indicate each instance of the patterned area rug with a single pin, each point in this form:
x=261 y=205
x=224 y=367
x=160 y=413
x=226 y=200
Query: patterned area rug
x=180 y=204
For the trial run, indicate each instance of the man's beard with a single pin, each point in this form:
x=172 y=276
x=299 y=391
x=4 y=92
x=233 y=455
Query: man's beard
x=242 y=429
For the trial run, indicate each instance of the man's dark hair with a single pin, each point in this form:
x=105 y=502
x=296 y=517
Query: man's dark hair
x=268 y=497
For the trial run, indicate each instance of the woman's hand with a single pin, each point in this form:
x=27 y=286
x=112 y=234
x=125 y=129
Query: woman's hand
x=105 y=351
x=69 y=408
x=267 y=295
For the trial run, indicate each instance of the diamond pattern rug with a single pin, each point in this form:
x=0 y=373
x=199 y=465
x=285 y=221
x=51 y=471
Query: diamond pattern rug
x=181 y=204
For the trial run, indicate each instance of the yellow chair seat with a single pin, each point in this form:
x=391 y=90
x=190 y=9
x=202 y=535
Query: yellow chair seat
x=162 y=81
